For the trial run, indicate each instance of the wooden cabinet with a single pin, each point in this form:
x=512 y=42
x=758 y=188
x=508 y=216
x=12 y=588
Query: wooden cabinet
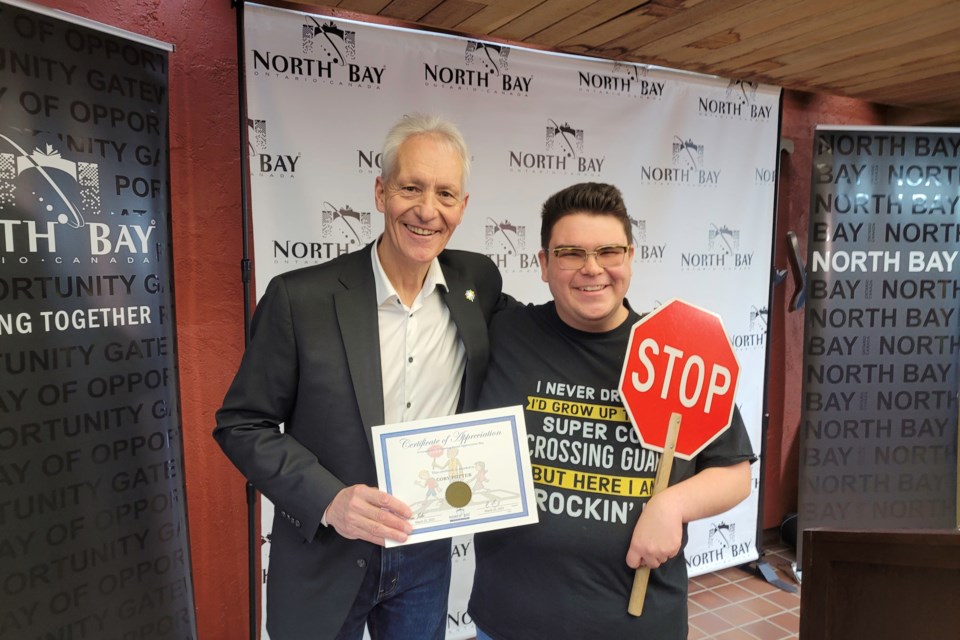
x=879 y=585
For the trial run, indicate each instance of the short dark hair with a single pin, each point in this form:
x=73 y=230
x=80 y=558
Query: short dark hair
x=593 y=198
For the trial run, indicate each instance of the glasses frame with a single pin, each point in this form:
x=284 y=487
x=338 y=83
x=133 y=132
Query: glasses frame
x=586 y=254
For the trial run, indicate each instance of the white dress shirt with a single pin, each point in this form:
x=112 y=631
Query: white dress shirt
x=422 y=358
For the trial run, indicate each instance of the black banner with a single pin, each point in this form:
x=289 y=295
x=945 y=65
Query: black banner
x=882 y=331
x=93 y=535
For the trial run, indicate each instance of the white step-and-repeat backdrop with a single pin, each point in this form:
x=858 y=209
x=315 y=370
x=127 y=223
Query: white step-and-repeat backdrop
x=694 y=156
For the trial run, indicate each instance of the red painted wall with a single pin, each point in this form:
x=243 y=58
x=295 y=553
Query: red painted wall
x=206 y=213
x=802 y=112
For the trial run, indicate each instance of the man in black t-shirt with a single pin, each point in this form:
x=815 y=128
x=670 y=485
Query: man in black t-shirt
x=570 y=575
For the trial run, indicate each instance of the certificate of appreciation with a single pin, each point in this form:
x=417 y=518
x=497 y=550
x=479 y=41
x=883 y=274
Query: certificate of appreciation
x=459 y=474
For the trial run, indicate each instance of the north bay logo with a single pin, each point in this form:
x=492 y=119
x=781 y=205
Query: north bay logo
x=43 y=180
x=563 y=153
x=565 y=139
x=328 y=55
x=687 y=153
x=343 y=230
x=329 y=40
x=485 y=70
x=722 y=545
x=344 y=224
x=264 y=162
x=621 y=79
x=487 y=56
x=722 y=252
x=256 y=136
x=756 y=336
x=50 y=198
x=687 y=166
x=738 y=102
x=506 y=244
x=643 y=250
x=724 y=239
x=758 y=317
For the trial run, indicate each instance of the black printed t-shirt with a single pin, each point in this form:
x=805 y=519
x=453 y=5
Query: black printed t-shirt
x=567 y=577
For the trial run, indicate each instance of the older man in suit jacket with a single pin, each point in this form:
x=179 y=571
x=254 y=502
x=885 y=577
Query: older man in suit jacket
x=394 y=332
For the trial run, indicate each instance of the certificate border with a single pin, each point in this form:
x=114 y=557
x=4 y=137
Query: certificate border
x=513 y=416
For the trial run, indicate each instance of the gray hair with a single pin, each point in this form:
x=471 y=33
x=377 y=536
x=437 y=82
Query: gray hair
x=416 y=124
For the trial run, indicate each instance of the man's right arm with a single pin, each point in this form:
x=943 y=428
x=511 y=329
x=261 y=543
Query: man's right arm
x=263 y=395
x=260 y=398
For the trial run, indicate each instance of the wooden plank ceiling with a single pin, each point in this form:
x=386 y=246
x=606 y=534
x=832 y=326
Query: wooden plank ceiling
x=904 y=53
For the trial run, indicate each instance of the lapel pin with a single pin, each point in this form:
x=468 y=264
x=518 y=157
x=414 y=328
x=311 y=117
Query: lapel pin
x=470 y=295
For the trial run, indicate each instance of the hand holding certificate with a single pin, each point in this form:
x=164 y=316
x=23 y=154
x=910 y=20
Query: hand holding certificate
x=460 y=474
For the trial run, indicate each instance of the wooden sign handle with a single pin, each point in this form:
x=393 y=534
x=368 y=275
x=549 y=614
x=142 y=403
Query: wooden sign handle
x=642 y=576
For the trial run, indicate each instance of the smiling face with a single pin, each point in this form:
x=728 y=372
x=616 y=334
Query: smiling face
x=422 y=203
x=589 y=298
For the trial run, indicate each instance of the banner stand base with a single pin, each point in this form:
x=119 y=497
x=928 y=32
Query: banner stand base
x=766 y=571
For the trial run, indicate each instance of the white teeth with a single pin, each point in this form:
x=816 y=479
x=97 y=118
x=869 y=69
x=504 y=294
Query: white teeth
x=420 y=232
x=596 y=287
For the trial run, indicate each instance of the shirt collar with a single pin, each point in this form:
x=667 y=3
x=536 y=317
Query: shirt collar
x=385 y=290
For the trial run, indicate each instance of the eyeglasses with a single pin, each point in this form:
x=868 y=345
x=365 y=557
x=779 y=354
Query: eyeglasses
x=574 y=258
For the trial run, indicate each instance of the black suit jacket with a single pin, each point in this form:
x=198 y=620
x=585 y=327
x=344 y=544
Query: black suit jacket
x=313 y=364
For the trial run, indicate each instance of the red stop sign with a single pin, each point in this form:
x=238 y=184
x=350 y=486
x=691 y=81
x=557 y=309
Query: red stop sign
x=679 y=360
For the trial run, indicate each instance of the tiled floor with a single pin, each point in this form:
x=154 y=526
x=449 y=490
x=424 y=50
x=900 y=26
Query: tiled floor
x=734 y=604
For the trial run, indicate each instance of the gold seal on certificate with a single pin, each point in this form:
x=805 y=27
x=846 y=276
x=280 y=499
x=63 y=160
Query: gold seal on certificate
x=459 y=474
x=458 y=494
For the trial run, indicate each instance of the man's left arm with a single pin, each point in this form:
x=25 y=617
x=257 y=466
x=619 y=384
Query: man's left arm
x=659 y=531
x=722 y=481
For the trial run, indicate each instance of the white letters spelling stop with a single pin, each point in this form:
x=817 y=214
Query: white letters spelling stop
x=679 y=360
x=693 y=366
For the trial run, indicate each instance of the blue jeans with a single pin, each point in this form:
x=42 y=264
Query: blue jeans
x=403 y=595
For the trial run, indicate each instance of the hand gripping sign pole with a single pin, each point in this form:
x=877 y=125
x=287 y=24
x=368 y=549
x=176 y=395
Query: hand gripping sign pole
x=679 y=364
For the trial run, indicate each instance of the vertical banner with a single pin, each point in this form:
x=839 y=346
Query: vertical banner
x=882 y=330
x=694 y=156
x=93 y=532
